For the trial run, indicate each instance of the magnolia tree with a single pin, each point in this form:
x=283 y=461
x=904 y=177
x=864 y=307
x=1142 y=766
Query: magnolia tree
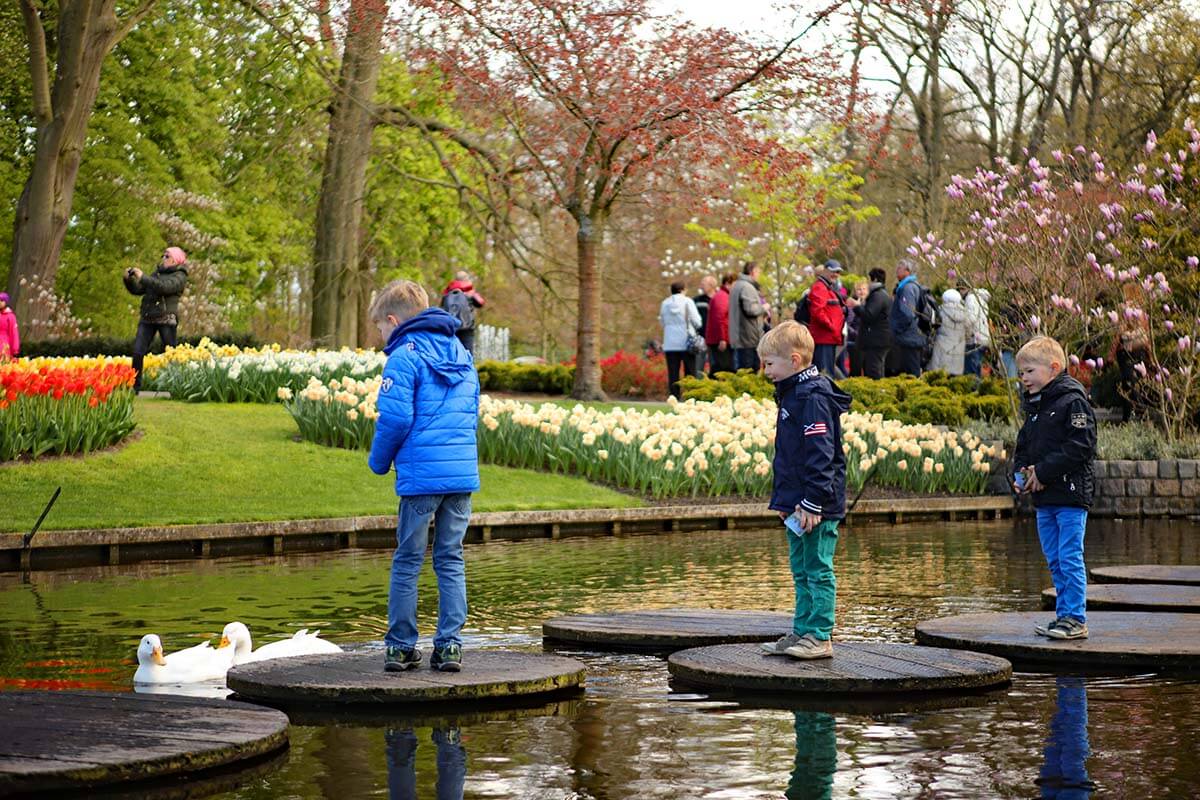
x=1071 y=250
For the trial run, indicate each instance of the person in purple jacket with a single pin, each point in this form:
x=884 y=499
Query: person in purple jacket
x=809 y=483
x=428 y=413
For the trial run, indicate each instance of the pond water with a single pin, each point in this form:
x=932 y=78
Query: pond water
x=630 y=734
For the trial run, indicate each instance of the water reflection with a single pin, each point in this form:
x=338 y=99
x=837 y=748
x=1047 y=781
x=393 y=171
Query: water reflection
x=816 y=757
x=401 y=744
x=1064 y=773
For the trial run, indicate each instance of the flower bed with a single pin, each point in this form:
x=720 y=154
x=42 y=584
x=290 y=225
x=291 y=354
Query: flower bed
x=224 y=373
x=338 y=414
x=64 y=406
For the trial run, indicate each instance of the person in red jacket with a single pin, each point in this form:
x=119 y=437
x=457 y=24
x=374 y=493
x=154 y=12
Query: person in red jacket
x=460 y=299
x=10 y=337
x=827 y=316
x=716 y=331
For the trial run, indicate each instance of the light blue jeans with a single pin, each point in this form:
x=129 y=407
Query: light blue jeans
x=1061 y=529
x=450 y=514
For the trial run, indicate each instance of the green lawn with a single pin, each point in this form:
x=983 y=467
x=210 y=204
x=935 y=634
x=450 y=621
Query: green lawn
x=215 y=462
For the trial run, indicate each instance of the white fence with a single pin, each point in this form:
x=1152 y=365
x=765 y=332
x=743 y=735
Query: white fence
x=491 y=344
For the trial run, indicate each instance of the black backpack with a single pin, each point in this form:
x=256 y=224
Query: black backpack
x=458 y=305
x=803 y=313
x=928 y=317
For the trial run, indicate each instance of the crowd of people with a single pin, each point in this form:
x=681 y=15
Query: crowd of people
x=863 y=329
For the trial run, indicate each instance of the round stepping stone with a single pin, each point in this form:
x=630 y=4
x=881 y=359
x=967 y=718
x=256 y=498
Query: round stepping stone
x=1119 y=639
x=1135 y=597
x=428 y=714
x=351 y=678
x=73 y=742
x=1186 y=574
x=667 y=628
x=856 y=668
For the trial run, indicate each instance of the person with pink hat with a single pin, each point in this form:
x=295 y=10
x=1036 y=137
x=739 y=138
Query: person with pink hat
x=160 y=293
x=10 y=336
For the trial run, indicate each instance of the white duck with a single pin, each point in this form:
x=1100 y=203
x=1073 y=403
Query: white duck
x=195 y=664
x=236 y=636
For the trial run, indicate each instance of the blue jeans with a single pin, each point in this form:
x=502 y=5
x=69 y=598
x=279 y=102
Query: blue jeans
x=1061 y=529
x=1064 y=774
x=824 y=358
x=745 y=358
x=450 y=514
x=1010 y=364
x=811 y=557
x=973 y=361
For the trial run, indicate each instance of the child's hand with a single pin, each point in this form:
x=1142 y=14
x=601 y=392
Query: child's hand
x=808 y=521
x=1032 y=484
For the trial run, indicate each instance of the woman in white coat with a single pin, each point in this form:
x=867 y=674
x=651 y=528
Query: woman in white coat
x=950 y=346
x=680 y=319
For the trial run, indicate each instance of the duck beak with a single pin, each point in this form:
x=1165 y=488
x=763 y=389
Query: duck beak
x=158 y=657
x=224 y=642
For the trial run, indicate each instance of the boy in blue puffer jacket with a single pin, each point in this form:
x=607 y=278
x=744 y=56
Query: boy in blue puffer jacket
x=428 y=412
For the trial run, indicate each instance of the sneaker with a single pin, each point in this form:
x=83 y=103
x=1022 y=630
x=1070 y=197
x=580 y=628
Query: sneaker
x=397 y=659
x=446 y=659
x=1042 y=629
x=810 y=647
x=1068 y=628
x=780 y=646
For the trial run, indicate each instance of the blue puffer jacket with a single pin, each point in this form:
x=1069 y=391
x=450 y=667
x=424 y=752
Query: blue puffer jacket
x=428 y=409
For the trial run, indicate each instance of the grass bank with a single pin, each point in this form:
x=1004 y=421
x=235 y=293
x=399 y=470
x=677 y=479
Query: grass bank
x=217 y=462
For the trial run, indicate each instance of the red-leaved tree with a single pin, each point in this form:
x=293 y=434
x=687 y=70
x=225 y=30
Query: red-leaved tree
x=572 y=105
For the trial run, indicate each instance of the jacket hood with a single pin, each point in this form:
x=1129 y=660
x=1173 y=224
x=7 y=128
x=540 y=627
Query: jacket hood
x=951 y=296
x=810 y=381
x=173 y=268
x=431 y=335
x=462 y=286
x=1061 y=386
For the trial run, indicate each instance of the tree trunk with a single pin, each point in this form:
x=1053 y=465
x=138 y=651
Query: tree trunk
x=344 y=179
x=86 y=33
x=587 y=330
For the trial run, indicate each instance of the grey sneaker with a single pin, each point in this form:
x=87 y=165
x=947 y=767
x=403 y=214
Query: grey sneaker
x=1042 y=629
x=1068 y=628
x=397 y=659
x=780 y=646
x=810 y=647
x=446 y=659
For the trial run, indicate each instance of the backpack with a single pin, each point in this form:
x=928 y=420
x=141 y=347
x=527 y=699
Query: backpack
x=458 y=305
x=928 y=317
x=803 y=313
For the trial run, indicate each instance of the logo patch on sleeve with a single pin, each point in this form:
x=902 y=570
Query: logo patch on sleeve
x=386 y=385
x=815 y=429
x=1079 y=420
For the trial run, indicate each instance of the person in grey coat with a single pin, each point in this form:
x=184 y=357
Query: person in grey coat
x=746 y=311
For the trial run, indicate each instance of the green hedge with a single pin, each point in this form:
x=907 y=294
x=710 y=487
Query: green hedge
x=504 y=376
x=935 y=398
x=117 y=346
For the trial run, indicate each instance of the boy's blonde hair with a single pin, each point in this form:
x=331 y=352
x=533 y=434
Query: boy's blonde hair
x=787 y=338
x=1043 y=350
x=400 y=299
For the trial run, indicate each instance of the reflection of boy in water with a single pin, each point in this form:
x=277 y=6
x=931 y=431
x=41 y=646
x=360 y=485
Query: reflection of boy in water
x=402 y=762
x=816 y=757
x=1064 y=773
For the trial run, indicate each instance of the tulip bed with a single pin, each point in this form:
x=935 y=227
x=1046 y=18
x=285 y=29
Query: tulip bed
x=696 y=449
x=64 y=406
x=226 y=374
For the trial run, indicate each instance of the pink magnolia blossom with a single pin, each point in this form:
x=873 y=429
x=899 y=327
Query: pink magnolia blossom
x=1140 y=368
x=1151 y=141
x=1091 y=363
x=1099 y=363
x=1074 y=359
x=1193 y=262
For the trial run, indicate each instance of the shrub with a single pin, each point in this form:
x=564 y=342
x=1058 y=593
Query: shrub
x=987 y=407
x=728 y=384
x=505 y=376
x=628 y=375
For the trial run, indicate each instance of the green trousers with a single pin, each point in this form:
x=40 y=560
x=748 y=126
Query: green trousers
x=811 y=556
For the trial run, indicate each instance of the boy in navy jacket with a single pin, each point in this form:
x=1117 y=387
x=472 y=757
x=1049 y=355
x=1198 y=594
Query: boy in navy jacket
x=1053 y=461
x=428 y=414
x=809 y=483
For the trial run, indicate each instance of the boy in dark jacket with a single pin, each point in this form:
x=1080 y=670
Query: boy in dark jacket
x=428 y=412
x=809 y=483
x=160 y=304
x=1053 y=461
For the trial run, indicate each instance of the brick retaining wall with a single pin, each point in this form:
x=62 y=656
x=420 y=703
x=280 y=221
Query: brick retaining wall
x=1166 y=487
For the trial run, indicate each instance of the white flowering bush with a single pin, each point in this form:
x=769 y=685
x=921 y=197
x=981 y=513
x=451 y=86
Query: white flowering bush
x=223 y=373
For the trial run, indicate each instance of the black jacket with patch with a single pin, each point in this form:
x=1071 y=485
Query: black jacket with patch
x=1058 y=440
x=809 y=467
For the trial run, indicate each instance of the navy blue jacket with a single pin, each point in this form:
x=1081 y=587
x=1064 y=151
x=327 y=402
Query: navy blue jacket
x=1058 y=440
x=906 y=332
x=809 y=467
x=428 y=409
